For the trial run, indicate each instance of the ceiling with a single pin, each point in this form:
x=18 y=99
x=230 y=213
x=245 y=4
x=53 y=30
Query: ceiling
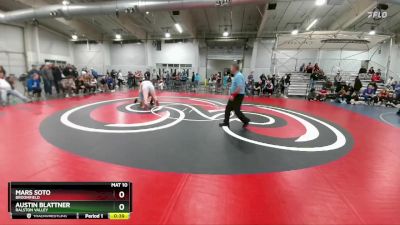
x=244 y=21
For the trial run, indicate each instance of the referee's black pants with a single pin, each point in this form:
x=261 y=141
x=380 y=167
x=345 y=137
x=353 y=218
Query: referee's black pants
x=235 y=106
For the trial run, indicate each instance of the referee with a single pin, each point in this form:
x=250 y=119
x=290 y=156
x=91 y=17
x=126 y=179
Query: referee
x=235 y=100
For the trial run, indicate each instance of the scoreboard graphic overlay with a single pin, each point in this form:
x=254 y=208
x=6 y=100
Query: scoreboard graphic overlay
x=66 y=200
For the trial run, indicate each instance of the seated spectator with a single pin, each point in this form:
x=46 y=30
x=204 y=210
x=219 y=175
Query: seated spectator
x=263 y=78
x=80 y=84
x=362 y=70
x=312 y=95
x=316 y=68
x=269 y=88
x=376 y=78
x=342 y=94
x=110 y=83
x=33 y=85
x=322 y=94
x=69 y=87
x=369 y=94
x=390 y=82
x=383 y=96
x=309 y=68
x=90 y=83
x=257 y=88
x=371 y=70
x=7 y=88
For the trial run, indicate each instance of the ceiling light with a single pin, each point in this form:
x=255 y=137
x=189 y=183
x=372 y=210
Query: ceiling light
x=118 y=36
x=74 y=37
x=312 y=24
x=372 y=32
x=66 y=2
x=167 y=34
x=320 y=2
x=147 y=12
x=226 y=33
x=178 y=28
x=295 y=32
x=1 y=15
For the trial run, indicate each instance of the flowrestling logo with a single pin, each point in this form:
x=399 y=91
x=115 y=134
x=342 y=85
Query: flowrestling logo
x=185 y=129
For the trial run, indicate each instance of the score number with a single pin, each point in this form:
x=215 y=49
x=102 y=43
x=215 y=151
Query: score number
x=121 y=194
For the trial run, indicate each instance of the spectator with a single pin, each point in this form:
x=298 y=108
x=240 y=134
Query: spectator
x=131 y=77
x=94 y=73
x=269 y=88
x=7 y=88
x=316 y=68
x=57 y=78
x=357 y=85
x=257 y=88
x=390 y=82
x=33 y=85
x=337 y=79
x=48 y=79
x=376 y=78
x=362 y=70
x=302 y=68
x=263 y=79
x=383 y=96
x=250 y=78
x=321 y=96
x=371 y=70
x=309 y=68
x=312 y=95
x=369 y=94
x=120 y=79
x=196 y=81
x=147 y=74
x=33 y=71
x=313 y=79
x=273 y=81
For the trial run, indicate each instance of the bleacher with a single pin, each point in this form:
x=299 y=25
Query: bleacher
x=300 y=82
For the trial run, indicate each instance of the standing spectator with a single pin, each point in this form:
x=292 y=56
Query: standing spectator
x=48 y=79
x=313 y=79
x=57 y=78
x=302 y=68
x=357 y=85
x=147 y=75
x=263 y=79
x=131 y=77
x=337 y=79
x=33 y=71
x=273 y=81
x=196 y=81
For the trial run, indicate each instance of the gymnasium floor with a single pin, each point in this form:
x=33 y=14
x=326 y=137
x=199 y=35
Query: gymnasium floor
x=299 y=162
